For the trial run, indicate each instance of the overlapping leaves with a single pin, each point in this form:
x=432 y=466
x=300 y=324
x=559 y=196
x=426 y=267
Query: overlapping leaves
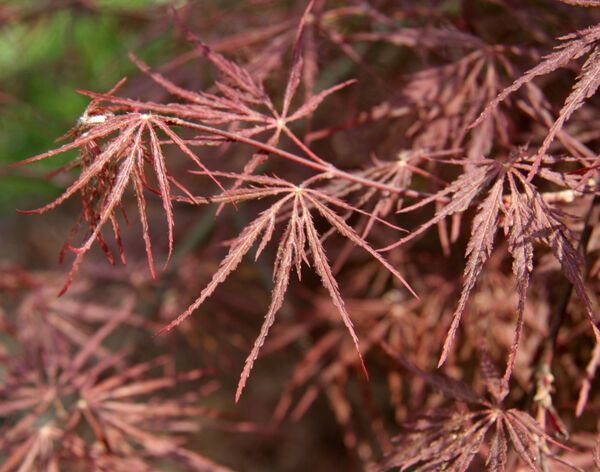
x=299 y=244
x=527 y=219
x=87 y=404
x=451 y=439
x=574 y=46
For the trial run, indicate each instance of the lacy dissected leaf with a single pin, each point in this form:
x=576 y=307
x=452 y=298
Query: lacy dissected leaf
x=43 y=322
x=464 y=190
x=450 y=439
x=396 y=174
x=574 y=46
x=551 y=230
x=119 y=137
x=300 y=244
x=586 y=85
x=498 y=455
x=115 y=150
x=283 y=267
x=442 y=440
x=65 y=403
x=528 y=219
x=479 y=250
x=448 y=98
x=520 y=245
x=242 y=99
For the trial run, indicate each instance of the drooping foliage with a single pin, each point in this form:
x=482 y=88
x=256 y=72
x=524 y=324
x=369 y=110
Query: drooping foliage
x=420 y=171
